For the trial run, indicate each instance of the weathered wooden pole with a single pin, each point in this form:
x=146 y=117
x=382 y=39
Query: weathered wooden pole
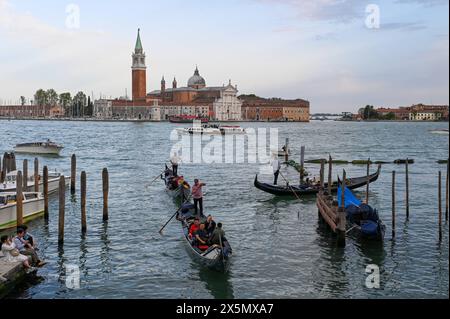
x=330 y=176
x=322 y=173
x=36 y=175
x=368 y=181
x=407 y=188
x=105 y=179
x=13 y=162
x=393 y=204
x=3 y=169
x=8 y=163
x=62 y=206
x=342 y=220
x=45 y=173
x=83 y=201
x=302 y=164
x=446 y=194
x=25 y=175
x=19 y=199
x=440 y=204
x=73 y=173
x=286 y=155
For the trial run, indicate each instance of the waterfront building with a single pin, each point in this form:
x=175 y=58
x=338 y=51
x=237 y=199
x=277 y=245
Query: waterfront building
x=31 y=111
x=255 y=108
x=401 y=113
x=423 y=112
x=222 y=101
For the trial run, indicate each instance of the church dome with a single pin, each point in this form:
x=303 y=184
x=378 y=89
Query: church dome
x=196 y=81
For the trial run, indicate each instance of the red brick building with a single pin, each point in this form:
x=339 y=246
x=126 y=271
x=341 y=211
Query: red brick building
x=255 y=108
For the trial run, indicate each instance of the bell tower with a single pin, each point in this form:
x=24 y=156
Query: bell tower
x=139 y=71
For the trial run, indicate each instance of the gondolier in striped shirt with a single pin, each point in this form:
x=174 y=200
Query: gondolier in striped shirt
x=197 y=195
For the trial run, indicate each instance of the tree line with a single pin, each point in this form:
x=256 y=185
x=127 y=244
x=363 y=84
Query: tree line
x=369 y=113
x=79 y=105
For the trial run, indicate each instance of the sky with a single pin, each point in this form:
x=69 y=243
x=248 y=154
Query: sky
x=338 y=54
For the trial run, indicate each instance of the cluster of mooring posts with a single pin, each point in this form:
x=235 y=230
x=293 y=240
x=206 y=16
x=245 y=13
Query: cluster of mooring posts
x=11 y=273
x=335 y=216
x=9 y=164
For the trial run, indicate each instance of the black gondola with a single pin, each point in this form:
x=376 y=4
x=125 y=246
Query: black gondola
x=178 y=190
x=311 y=189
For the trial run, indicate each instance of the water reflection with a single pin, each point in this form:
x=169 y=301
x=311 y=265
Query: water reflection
x=217 y=283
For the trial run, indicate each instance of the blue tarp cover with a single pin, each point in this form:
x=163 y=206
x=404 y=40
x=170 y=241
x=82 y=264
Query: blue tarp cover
x=350 y=198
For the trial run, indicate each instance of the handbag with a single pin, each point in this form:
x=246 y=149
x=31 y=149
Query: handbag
x=15 y=252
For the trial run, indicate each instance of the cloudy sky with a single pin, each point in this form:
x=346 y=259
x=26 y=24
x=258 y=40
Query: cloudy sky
x=327 y=51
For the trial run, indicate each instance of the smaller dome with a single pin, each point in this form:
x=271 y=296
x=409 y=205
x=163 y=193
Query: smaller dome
x=196 y=81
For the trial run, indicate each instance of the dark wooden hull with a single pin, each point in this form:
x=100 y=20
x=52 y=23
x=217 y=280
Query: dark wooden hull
x=180 y=193
x=352 y=183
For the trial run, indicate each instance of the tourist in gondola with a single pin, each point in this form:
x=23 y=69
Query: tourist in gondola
x=201 y=237
x=217 y=236
x=197 y=195
x=175 y=160
x=210 y=225
x=194 y=227
x=276 y=169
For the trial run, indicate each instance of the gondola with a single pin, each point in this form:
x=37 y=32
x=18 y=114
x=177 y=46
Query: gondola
x=217 y=257
x=363 y=221
x=311 y=189
x=175 y=185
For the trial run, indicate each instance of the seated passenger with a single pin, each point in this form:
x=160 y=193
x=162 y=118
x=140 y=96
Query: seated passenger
x=194 y=227
x=210 y=225
x=218 y=235
x=202 y=238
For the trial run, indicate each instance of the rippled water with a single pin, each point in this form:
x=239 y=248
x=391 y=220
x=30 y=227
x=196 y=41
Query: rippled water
x=280 y=250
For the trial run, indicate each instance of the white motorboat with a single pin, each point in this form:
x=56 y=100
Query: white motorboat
x=9 y=184
x=212 y=130
x=442 y=131
x=48 y=147
x=33 y=206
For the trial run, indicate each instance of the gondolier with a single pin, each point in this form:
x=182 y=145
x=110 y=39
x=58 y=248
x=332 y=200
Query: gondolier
x=276 y=169
x=197 y=195
x=175 y=160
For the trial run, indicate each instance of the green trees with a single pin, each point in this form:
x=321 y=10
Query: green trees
x=65 y=100
x=369 y=113
x=40 y=97
x=79 y=104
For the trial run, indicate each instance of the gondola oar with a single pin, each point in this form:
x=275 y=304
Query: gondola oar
x=221 y=249
x=187 y=200
x=158 y=176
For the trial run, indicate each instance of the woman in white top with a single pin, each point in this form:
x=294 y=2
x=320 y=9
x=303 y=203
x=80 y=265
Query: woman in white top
x=7 y=246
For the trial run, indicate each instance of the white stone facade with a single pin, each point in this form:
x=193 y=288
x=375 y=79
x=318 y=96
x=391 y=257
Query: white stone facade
x=228 y=107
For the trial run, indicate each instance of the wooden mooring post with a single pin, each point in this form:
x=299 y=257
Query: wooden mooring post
x=62 y=206
x=368 y=181
x=45 y=176
x=407 y=188
x=440 y=204
x=73 y=173
x=446 y=194
x=36 y=175
x=342 y=219
x=393 y=204
x=25 y=175
x=330 y=174
x=83 y=201
x=3 y=169
x=19 y=199
x=105 y=179
x=322 y=174
x=302 y=164
x=13 y=162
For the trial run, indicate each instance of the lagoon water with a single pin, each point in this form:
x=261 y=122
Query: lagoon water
x=280 y=250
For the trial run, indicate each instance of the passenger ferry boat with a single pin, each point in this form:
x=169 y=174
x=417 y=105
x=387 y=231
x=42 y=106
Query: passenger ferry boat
x=9 y=184
x=187 y=119
x=213 y=130
x=33 y=207
x=48 y=147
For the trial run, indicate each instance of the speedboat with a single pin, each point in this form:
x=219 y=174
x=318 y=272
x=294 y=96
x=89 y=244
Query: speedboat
x=442 y=131
x=212 y=130
x=9 y=184
x=48 y=147
x=33 y=206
